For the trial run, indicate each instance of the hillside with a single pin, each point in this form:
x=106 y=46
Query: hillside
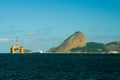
x=76 y=43
x=113 y=46
x=75 y=40
x=27 y=51
x=91 y=47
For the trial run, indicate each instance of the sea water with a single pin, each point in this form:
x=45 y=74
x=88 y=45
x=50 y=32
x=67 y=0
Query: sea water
x=59 y=67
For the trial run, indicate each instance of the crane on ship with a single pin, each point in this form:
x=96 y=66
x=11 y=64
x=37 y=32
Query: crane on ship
x=17 y=47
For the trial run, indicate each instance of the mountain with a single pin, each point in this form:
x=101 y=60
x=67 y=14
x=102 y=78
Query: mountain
x=76 y=43
x=113 y=46
x=75 y=40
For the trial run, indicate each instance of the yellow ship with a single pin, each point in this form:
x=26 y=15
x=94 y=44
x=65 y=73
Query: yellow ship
x=17 y=47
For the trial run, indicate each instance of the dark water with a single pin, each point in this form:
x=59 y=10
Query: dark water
x=59 y=67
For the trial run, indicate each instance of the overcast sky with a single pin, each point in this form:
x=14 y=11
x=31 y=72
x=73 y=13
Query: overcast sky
x=42 y=24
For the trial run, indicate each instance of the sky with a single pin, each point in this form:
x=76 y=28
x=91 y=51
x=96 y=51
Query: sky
x=42 y=24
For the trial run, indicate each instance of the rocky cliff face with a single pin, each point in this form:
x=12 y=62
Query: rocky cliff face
x=75 y=40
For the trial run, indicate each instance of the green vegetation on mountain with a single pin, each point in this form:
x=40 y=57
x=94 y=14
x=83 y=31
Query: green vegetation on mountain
x=91 y=47
x=27 y=51
x=54 y=49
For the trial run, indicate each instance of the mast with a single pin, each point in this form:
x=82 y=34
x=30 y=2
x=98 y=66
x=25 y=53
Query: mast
x=17 y=43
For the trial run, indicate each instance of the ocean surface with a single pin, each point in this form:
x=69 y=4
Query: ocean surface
x=59 y=67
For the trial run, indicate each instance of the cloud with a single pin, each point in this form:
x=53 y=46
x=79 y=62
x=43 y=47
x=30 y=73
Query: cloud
x=32 y=33
x=27 y=40
x=47 y=31
x=102 y=38
x=5 y=39
x=40 y=32
x=13 y=31
x=10 y=31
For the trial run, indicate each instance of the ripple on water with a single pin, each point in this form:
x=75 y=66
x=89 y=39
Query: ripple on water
x=59 y=67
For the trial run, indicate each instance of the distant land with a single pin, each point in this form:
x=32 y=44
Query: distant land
x=27 y=51
x=77 y=43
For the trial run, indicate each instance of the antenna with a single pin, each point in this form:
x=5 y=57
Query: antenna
x=17 y=43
